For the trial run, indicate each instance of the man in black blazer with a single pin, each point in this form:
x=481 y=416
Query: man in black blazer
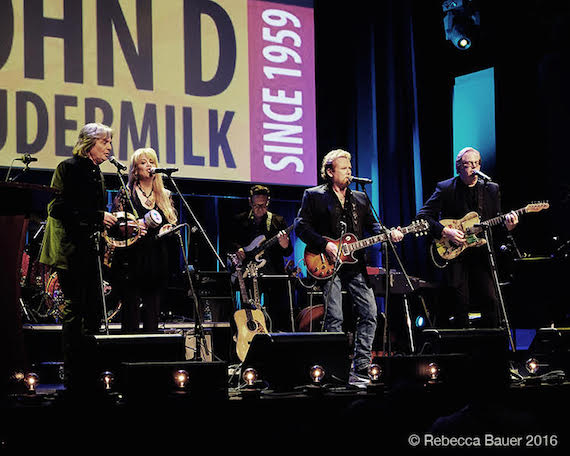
x=330 y=210
x=254 y=227
x=468 y=277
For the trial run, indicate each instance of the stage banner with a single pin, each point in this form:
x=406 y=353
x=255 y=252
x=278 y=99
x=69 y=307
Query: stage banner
x=221 y=89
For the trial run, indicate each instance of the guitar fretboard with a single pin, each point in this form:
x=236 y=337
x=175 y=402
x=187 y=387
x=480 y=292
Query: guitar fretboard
x=265 y=245
x=535 y=207
x=376 y=239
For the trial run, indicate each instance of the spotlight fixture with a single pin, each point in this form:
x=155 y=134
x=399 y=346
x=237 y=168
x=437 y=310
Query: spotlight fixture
x=250 y=390
x=532 y=366
x=181 y=379
x=433 y=372
x=376 y=386
x=249 y=377
x=317 y=374
x=107 y=378
x=374 y=373
x=32 y=381
x=460 y=22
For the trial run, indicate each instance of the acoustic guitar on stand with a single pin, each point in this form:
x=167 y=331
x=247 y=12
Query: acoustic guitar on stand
x=471 y=226
x=249 y=320
x=320 y=266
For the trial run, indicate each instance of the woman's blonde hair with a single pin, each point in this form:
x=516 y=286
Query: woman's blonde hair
x=162 y=195
x=329 y=158
x=90 y=133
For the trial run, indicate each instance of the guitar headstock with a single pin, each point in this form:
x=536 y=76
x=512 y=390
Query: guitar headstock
x=252 y=269
x=233 y=261
x=537 y=207
x=419 y=227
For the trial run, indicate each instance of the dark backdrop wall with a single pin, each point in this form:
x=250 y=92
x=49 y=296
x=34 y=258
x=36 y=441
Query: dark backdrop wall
x=384 y=82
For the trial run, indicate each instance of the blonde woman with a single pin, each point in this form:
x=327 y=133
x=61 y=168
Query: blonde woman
x=140 y=272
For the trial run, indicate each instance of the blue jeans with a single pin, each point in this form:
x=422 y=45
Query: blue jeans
x=366 y=312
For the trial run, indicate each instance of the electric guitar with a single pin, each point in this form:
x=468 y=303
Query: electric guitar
x=320 y=266
x=249 y=322
x=471 y=225
x=256 y=248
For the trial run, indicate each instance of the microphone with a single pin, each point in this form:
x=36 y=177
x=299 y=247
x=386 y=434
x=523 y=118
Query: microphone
x=118 y=164
x=171 y=230
x=360 y=180
x=482 y=175
x=167 y=171
x=27 y=159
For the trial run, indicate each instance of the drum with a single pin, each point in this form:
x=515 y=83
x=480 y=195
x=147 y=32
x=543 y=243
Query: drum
x=125 y=232
x=56 y=300
x=310 y=318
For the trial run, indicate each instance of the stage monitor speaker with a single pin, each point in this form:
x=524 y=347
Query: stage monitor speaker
x=145 y=381
x=110 y=351
x=553 y=346
x=486 y=351
x=472 y=342
x=284 y=360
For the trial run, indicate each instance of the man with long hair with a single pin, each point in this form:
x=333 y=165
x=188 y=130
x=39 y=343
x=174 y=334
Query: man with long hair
x=76 y=216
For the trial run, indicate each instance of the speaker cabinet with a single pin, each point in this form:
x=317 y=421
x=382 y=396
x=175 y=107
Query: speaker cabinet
x=483 y=354
x=492 y=342
x=110 y=351
x=284 y=360
x=552 y=345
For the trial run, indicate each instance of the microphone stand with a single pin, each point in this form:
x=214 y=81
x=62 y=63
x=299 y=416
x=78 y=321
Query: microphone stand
x=195 y=222
x=198 y=328
x=386 y=341
x=97 y=240
x=495 y=274
x=199 y=334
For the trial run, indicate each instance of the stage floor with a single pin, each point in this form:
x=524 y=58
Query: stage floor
x=464 y=409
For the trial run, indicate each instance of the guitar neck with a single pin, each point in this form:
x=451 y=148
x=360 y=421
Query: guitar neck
x=501 y=218
x=256 y=297
x=270 y=242
x=374 y=240
x=243 y=290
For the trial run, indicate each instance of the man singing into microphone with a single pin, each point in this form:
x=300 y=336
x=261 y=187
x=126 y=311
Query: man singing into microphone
x=468 y=277
x=76 y=215
x=331 y=210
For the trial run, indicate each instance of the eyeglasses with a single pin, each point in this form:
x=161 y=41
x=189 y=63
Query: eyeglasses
x=471 y=164
x=259 y=206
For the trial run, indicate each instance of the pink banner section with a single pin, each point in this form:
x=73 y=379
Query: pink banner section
x=282 y=93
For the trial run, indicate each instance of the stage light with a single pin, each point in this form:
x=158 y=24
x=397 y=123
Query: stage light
x=532 y=365
x=433 y=372
x=107 y=378
x=249 y=376
x=374 y=373
x=420 y=322
x=317 y=374
x=460 y=22
x=32 y=381
x=181 y=378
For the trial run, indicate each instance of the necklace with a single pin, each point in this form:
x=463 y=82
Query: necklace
x=149 y=199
